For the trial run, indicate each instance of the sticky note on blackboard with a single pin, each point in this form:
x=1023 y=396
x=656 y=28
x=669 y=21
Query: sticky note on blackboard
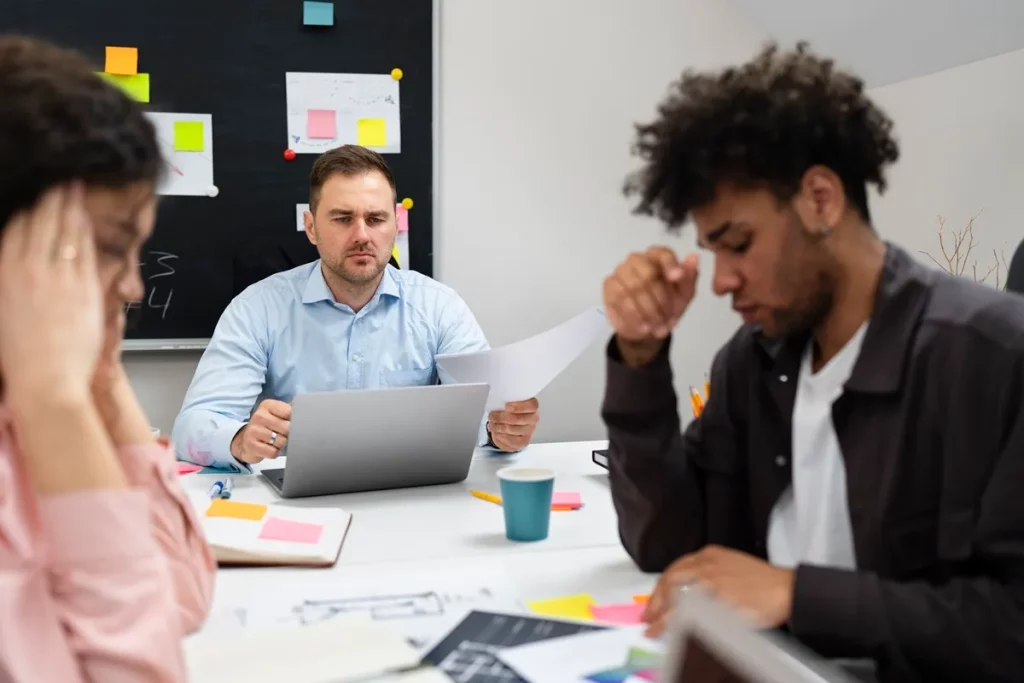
x=321 y=124
x=122 y=61
x=372 y=133
x=188 y=136
x=136 y=86
x=402 y=214
x=318 y=13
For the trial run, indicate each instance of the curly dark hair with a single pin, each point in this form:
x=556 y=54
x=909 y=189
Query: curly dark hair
x=762 y=124
x=59 y=122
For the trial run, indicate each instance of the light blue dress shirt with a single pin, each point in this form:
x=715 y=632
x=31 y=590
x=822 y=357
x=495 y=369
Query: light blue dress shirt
x=286 y=335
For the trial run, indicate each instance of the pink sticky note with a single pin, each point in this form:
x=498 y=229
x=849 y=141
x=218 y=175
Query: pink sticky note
x=648 y=675
x=277 y=529
x=629 y=613
x=403 y=218
x=321 y=123
x=188 y=468
x=567 y=499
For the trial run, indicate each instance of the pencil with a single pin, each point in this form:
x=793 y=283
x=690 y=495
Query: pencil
x=707 y=388
x=491 y=498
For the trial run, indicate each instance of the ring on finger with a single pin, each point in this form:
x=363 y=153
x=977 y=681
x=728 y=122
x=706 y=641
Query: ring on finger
x=273 y=438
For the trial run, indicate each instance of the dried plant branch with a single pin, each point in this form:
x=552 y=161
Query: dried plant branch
x=958 y=256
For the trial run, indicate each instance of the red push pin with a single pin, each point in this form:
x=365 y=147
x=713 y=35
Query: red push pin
x=289 y=155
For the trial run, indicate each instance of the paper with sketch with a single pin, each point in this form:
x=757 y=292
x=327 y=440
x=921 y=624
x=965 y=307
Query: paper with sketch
x=421 y=607
x=188 y=167
x=364 y=108
x=340 y=649
x=577 y=657
x=519 y=371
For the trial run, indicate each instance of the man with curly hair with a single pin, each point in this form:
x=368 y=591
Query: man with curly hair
x=856 y=475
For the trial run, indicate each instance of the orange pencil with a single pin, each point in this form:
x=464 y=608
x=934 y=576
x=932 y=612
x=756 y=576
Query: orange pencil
x=697 y=401
x=707 y=388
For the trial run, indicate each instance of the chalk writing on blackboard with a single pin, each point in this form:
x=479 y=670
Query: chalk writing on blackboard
x=157 y=275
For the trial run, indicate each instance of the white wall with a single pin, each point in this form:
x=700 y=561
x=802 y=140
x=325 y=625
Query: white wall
x=538 y=99
x=962 y=150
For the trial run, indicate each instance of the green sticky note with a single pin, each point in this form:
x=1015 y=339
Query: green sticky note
x=136 y=86
x=188 y=136
x=372 y=133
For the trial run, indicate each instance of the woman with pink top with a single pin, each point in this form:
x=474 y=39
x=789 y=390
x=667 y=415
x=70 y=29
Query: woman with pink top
x=103 y=568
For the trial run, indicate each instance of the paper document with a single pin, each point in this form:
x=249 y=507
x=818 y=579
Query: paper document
x=186 y=145
x=602 y=655
x=519 y=371
x=342 y=649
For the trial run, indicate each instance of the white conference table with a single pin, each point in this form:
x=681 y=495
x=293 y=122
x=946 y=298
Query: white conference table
x=439 y=529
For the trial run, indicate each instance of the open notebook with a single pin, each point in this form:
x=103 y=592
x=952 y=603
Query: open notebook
x=254 y=534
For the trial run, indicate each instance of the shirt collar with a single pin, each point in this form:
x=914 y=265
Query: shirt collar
x=902 y=294
x=317 y=289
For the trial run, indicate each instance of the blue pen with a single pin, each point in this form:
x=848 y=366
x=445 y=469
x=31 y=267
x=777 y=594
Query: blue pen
x=215 y=490
x=225 y=491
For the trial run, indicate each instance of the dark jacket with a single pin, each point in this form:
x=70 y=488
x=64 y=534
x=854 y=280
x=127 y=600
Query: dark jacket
x=933 y=442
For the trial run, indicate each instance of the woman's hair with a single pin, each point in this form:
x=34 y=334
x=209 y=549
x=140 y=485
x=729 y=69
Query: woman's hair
x=59 y=122
x=760 y=125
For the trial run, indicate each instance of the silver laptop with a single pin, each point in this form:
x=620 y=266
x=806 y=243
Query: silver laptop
x=347 y=441
x=710 y=643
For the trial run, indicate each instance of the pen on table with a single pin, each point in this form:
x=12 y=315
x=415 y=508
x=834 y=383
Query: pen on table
x=215 y=490
x=229 y=484
x=491 y=498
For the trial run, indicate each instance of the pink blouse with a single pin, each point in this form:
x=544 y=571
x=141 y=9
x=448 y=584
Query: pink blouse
x=99 y=585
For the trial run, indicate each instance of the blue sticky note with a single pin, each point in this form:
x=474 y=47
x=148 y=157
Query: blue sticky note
x=317 y=13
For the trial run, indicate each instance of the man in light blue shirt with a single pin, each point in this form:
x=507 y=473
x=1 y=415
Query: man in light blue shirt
x=346 y=321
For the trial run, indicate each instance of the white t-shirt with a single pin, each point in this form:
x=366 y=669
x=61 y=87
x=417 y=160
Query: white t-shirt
x=810 y=523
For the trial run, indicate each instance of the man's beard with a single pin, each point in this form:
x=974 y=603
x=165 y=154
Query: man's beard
x=812 y=281
x=360 y=277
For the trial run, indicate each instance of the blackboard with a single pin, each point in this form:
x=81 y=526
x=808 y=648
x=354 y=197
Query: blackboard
x=228 y=58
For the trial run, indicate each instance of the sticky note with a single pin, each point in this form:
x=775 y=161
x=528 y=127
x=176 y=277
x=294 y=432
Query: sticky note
x=570 y=499
x=638 y=658
x=321 y=123
x=630 y=613
x=276 y=529
x=221 y=507
x=616 y=675
x=571 y=606
x=123 y=61
x=642 y=599
x=402 y=214
x=372 y=133
x=136 y=86
x=318 y=13
x=188 y=136
x=647 y=675
x=188 y=468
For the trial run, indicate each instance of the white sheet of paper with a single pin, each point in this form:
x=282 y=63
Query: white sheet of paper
x=421 y=608
x=519 y=371
x=300 y=209
x=351 y=97
x=573 y=658
x=186 y=173
x=334 y=650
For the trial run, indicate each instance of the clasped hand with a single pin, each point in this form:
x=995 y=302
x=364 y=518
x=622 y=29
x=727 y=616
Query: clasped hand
x=748 y=584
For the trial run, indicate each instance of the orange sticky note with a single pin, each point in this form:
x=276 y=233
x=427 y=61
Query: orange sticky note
x=641 y=599
x=123 y=61
x=222 y=507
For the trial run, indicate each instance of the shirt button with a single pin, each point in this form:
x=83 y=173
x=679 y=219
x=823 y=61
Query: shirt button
x=783 y=378
x=358 y=357
x=780 y=460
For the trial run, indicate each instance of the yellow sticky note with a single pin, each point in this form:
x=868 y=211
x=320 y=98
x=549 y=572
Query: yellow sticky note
x=372 y=133
x=188 y=136
x=123 y=61
x=222 y=507
x=571 y=606
x=136 y=86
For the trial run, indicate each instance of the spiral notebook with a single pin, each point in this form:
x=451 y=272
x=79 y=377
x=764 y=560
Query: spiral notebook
x=254 y=534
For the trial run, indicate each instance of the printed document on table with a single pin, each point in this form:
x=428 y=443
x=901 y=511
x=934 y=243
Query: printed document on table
x=519 y=371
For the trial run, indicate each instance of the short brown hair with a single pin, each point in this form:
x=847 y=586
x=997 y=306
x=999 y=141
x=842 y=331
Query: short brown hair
x=59 y=122
x=347 y=160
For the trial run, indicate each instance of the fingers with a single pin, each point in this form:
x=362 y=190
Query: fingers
x=499 y=428
x=256 y=444
x=45 y=225
x=665 y=259
x=530 y=405
x=512 y=419
x=279 y=409
x=649 y=292
x=13 y=240
x=271 y=423
x=77 y=231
